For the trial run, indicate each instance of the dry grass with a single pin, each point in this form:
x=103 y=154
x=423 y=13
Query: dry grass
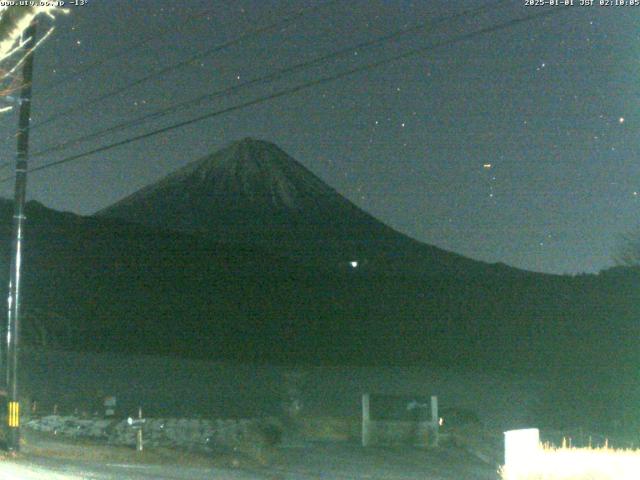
x=566 y=463
x=335 y=429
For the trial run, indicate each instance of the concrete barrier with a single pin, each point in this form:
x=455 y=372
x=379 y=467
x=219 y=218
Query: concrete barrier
x=185 y=433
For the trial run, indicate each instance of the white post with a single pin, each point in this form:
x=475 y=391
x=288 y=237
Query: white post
x=139 y=444
x=435 y=419
x=521 y=447
x=365 y=420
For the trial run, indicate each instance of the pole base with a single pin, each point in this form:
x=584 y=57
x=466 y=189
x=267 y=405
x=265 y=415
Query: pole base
x=13 y=439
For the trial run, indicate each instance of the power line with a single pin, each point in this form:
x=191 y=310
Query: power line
x=64 y=79
x=170 y=68
x=297 y=88
x=301 y=87
x=266 y=78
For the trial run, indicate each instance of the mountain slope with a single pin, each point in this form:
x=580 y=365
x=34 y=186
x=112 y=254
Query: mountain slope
x=99 y=284
x=106 y=284
x=252 y=192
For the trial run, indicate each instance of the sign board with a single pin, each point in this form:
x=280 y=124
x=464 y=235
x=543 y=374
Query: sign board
x=399 y=419
x=109 y=406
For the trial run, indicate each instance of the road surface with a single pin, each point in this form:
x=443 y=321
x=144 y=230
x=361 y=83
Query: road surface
x=307 y=463
x=56 y=469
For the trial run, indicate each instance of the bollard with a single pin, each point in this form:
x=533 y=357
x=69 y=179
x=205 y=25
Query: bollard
x=366 y=420
x=139 y=445
x=137 y=424
x=435 y=421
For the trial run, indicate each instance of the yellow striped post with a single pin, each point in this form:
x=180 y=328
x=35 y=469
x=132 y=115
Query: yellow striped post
x=14 y=414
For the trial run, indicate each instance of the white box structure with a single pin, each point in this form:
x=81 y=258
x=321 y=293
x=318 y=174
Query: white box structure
x=521 y=447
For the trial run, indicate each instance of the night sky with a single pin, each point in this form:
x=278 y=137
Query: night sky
x=517 y=146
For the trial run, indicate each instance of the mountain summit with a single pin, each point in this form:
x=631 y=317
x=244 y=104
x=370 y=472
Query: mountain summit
x=252 y=192
x=238 y=192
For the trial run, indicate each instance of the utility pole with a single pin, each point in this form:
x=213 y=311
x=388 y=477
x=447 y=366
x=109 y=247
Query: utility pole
x=13 y=317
